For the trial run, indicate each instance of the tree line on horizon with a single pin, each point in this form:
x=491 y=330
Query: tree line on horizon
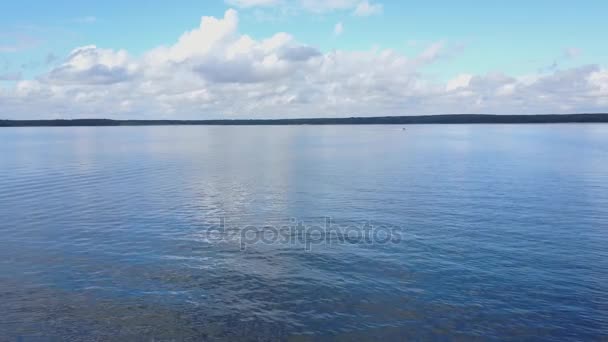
x=383 y=120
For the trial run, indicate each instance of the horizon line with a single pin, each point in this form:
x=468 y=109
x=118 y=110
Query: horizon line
x=353 y=120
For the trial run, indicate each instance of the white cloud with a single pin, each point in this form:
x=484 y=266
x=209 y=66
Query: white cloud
x=338 y=29
x=90 y=65
x=365 y=9
x=214 y=71
x=212 y=32
x=599 y=79
x=460 y=81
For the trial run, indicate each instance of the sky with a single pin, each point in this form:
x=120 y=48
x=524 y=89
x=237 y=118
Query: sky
x=215 y=59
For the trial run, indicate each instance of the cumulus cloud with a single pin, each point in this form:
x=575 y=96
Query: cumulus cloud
x=215 y=71
x=90 y=65
x=211 y=33
x=217 y=53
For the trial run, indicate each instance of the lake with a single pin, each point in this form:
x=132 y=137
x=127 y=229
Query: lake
x=304 y=232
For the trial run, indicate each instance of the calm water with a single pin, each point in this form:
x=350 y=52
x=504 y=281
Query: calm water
x=114 y=233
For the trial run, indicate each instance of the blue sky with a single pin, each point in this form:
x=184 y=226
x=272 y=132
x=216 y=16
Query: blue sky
x=508 y=44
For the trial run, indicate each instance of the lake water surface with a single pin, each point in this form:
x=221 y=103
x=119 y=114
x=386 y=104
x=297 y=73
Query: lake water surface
x=187 y=233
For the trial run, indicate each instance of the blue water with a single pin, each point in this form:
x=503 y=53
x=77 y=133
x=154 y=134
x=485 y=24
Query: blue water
x=141 y=233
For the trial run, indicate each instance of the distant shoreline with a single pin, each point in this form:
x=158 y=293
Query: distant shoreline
x=383 y=120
